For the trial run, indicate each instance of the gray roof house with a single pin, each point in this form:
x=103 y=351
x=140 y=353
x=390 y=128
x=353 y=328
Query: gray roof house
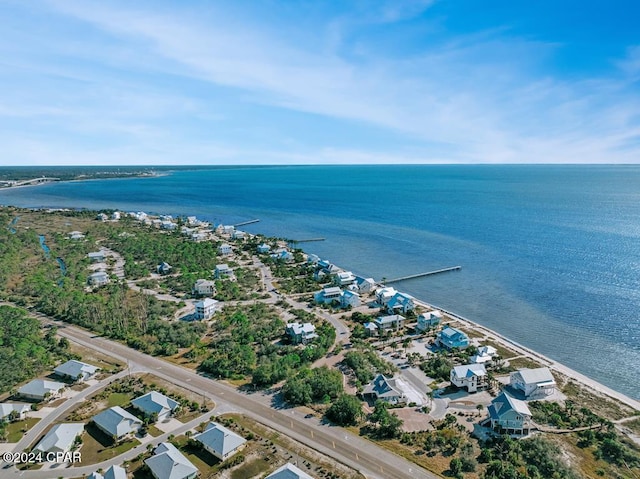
x=76 y=370
x=470 y=376
x=60 y=438
x=220 y=441
x=510 y=414
x=99 y=278
x=533 y=382
x=114 y=472
x=155 y=403
x=385 y=389
x=116 y=422
x=20 y=409
x=288 y=471
x=169 y=463
x=39 y=389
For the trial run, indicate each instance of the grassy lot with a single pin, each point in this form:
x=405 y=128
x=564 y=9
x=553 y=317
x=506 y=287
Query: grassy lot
x=97 y=447
x=154 y=431
x=250 y=469
x=119 y=399
x=519 y=363
x=599 y=404
x=16 y=430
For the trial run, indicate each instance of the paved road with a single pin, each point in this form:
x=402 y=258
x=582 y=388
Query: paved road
x=359 y=453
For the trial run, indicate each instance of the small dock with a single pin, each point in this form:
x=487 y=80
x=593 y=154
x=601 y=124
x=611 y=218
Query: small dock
x=250 y=222
x=420 y=275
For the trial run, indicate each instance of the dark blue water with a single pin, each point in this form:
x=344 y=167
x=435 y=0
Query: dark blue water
x=43 y=244
x=550 y=254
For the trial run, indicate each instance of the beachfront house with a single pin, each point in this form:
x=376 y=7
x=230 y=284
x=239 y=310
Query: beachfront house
x=41 y=389
x=534 y=383
x=206 y=308
x=60 y=438
x=384 y=295
x=365 y=285
x=96 y=256
x=220 y=441
x=428 y=320
x=117 y=423
x=283 y=255
x=510 y=415
x=168 y=462
x=384 y=389
x=349 y=299
x=451 y=338
x=400 y=303
x=344 y=278
x=155 y=404
x=484 y=355
x=239 y=235
x=223 y=271
x=390 y=322
x=13 y=411
x=288 y=471
x=102 y=217
x=225 y=249
x=328 y=295
x=472 y=377
x=76 y=371
x=300 y=333
x=168 y=225
x=99 y=278
x=114 y=472
x=204 y=287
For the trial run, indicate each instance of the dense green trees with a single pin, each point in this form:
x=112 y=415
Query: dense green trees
x=386 y=425
x=345 y=411
x=24 y=351
x=313 y=385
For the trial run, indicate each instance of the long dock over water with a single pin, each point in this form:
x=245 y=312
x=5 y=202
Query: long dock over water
x=420 y=275
x=246 y=223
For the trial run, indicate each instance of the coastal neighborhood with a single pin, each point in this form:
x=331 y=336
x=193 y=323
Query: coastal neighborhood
x=177 y=348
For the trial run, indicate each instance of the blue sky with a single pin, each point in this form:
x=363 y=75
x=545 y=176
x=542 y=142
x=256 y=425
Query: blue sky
x=301 y=82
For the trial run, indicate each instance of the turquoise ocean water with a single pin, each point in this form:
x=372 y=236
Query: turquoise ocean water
x=550 y=255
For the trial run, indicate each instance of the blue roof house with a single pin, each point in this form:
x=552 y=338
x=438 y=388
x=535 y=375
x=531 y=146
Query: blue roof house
x=451 y=338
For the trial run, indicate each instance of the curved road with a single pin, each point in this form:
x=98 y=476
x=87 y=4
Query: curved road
x=354 y=451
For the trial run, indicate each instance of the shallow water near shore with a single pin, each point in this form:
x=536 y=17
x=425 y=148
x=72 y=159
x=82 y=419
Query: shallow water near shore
x=550 y=255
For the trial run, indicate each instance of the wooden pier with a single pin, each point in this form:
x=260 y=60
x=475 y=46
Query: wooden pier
x=420 y=275
x=246 y=223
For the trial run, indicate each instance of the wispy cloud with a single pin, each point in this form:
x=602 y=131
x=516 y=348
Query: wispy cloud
x=481 y=97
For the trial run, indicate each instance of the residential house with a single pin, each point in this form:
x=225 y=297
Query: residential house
x=328 y=295
x=485 y=355
x=116 y=422
x=206 y=308
x=76 y=235
x=199 y=236
x=204 y=287
x=472 y=377
x=164 y=268
x=155 y=404
x=301 y=333
x=168 y=225
x=239 y=235
x=223 y=271
x=169 y=463
x=60 y=438
x=349 y=298
x=510 y=415
x=344 y=278
x=41 y=389
x=371 y=328
x=428 y=320
x=283 y=255
x=384 y=389
x=400 y=303
x=365 y=285
x=224 y=248
x=115 y=216
x=220 y=441
x=193 y=221
x=96 y=256
x=99 y=278
x=534 y=383
x=226 y=229
x=384 y=295
x=76 y=370
x=288 y=471
x=451 y=338
x=313 y=258
x=102 y=217
x=19 y=411
x=391 y=322
x=114 y=472
x=264 y=248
